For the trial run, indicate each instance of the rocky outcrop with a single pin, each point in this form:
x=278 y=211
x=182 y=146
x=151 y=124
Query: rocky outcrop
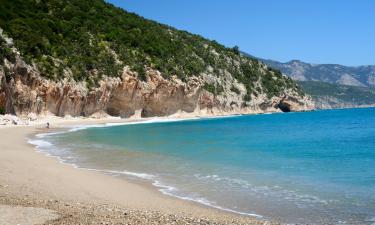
x=289 y=104
x=156 y=97
x=24 y=91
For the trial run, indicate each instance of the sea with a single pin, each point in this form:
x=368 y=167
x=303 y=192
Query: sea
x=313 y=167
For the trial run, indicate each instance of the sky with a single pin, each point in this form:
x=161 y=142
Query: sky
x=315 y=31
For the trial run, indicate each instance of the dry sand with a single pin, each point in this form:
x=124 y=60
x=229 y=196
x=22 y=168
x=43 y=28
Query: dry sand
x=53 y=193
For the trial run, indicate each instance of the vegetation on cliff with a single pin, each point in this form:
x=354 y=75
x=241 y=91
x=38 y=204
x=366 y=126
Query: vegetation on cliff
x=6 y=52
x=86 y=40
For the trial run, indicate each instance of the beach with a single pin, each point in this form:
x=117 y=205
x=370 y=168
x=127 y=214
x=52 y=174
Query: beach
x=37 y=189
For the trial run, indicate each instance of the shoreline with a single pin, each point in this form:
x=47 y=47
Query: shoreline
x=70 y=183
x=144 y=179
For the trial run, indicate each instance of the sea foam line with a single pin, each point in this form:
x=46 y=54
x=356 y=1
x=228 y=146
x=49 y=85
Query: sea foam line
x=167 y=190
x=275 y=191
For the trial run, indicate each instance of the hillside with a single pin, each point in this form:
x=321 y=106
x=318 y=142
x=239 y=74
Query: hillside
x=328 y=95
x=78 y=57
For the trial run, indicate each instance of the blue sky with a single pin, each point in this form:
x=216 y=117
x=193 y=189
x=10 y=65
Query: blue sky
x=316 y=31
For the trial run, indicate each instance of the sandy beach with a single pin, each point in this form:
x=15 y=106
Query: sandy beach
x=37 y=189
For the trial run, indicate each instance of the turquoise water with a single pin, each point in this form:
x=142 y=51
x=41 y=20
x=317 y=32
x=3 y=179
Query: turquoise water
x=313 y=167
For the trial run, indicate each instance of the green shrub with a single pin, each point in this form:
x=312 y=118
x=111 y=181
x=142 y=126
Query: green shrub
x=142 y=75
x=235 y=90
x=219 y=89
x=215 y=89
x=247 y=98
x=2 y=110
x=209 y=88
x=6 y=52
x=236 y=50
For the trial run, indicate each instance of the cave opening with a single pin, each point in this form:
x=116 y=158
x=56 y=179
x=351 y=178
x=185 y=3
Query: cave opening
x=283 y=107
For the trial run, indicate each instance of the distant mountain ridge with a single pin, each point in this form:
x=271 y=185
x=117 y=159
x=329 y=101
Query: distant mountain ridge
x=363 y=76
x=327 y=96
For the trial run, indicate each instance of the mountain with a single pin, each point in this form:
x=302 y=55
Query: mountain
x=362 y=76
x=80 y=57
x=331 y=85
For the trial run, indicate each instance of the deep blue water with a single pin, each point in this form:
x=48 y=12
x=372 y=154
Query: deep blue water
x=312 y=167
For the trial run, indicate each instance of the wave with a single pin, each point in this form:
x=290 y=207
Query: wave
x=167 y=190
x=144 y=176
x=274 y=191
x=39 y=143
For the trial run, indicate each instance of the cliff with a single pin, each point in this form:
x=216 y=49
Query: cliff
x=23 y=91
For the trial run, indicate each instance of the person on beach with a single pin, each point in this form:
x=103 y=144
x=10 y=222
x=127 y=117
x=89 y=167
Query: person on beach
x=47 y=125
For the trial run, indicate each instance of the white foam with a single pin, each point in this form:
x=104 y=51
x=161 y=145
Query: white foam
x=167 y=190
x=125 y=172
x=140 y=175
x=42 y=135
x=83 y=127
x=39 y=143
x=372 y=221
x=275 y=191
x=42 y=145
x=163 y=188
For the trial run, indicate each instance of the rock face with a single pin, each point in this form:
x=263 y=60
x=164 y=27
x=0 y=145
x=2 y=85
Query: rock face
x=23 y=91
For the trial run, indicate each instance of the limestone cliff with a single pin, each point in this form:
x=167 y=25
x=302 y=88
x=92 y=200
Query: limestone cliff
x=24 y=91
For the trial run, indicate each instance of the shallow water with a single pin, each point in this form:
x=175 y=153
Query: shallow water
x=313 y=167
